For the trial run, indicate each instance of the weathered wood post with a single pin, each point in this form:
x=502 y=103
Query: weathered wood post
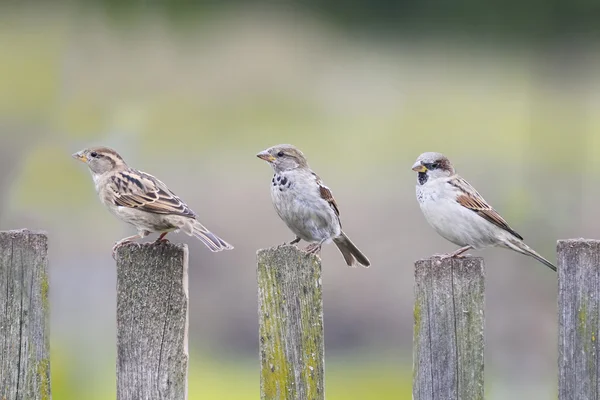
x=578 y=319
x=448 y=338
x=290 y=311
x=24 y=342
x=152 y=322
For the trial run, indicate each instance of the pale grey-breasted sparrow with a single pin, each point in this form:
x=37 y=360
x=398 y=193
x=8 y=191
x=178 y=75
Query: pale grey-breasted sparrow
x=306 y=205
x=142 y=200
x=459 y=214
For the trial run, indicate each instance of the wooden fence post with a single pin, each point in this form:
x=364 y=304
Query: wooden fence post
x=24 y=342
x=578 y=319
x=448 y=338
x=290 y=310
x=152 y=322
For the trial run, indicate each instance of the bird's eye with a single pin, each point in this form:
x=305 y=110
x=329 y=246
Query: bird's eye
x=434 y=165
x=280 y=154
x=94 y=154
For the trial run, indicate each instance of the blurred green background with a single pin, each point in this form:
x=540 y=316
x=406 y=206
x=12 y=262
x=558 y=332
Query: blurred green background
x=190 y=92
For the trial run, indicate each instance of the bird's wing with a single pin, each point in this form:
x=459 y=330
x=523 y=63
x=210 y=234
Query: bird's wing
x=136 y=189
x=326 y=194
x=469 y=198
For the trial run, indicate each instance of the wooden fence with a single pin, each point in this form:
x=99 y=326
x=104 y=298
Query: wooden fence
x=448 y=338
x=290 y=313
x=25 y=348
x=152 y=323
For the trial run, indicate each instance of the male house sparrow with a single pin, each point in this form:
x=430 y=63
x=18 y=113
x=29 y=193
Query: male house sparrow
x=306 y=205
x=142 y=200
x=459 y=214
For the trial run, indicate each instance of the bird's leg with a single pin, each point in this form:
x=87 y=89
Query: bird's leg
x=161 y=238
x=293 y=242
x=456 y=254
x=129 y=239
x=314 y=248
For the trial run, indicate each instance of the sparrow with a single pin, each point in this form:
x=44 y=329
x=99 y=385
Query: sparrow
x=306 y=205
x=458 y=212
x=141 y=200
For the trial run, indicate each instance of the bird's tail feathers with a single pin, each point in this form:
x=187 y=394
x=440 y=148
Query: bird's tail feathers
x=351 y=253
x=212 y=241
x=522 y=248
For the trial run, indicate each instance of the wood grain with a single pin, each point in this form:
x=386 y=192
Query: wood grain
x=578 y=319
x=448 y=337
x=290 y=310
x=152 y=322
x=24 y=340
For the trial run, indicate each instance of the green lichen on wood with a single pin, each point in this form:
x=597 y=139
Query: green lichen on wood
x=585 y=329
x=582 y=322
x=277 y=374
x=312 y=331
x=582 y=316
x=43 y=375
x=291 y=324
x=38 y=376
x=416 y=330
x=275 y=370
x=44 y=292
x=417 y=319
x=586 y=322
x=43 y=365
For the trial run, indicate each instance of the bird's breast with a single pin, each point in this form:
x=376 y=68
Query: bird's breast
x=427 y=193
x=280 y=183
x=301 y=207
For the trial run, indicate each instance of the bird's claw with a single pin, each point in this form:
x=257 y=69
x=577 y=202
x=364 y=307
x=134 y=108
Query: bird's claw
x=116 y=247
x=449 y=256
x=162 y=238
x=443 y=257
x=122 y=243
x=313 y=248
x=463 y=255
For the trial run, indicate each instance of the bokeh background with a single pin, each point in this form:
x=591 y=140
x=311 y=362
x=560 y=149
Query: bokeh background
x=191 y=92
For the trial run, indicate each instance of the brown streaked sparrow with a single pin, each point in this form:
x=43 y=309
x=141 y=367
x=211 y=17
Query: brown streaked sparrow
x=142 y=200
x=459 y=214
x=306 y=205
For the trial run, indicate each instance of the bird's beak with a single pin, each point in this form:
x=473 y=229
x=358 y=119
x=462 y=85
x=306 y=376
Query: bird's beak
x=418 y=167
x=80 y=156
x=264 y=155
